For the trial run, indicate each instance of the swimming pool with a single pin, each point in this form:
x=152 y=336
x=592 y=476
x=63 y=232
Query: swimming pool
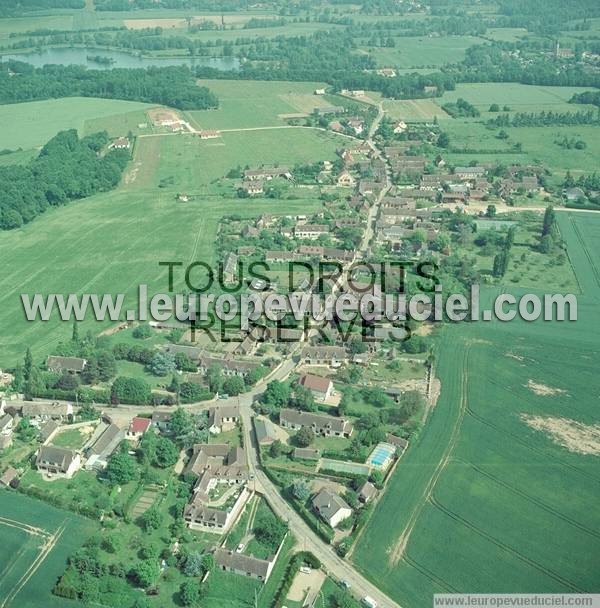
x=381 y=457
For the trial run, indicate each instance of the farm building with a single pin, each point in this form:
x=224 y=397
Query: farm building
x=265 y=431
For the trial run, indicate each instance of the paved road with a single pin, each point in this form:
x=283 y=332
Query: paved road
x=332 y=563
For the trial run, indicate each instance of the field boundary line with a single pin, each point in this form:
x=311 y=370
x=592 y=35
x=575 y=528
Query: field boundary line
x=541 y=504
x=502 y=545
x=397 y=552
x=37 y=562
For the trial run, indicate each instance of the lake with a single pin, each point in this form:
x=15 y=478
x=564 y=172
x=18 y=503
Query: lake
x=79 y=56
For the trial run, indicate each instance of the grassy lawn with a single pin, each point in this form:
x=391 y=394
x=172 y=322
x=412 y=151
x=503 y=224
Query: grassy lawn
x=72 y=438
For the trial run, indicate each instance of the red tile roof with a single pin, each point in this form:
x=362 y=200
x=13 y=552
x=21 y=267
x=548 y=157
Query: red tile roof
x=139 y=425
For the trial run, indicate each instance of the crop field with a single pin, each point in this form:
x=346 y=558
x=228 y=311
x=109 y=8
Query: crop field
x=245 y=104
x=413 y=109
x=21 y=126
x=519 y=97
x=20 y=25
x=35 y=545
x=118 y=238
x=495 y=494
x=423 y=52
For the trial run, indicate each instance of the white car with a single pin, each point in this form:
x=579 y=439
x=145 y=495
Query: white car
x=305 y=570
x=240 y=548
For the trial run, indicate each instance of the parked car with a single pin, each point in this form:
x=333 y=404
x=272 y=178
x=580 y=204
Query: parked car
x=240 y=548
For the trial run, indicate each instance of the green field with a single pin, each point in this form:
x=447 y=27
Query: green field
x=519 y=97
x=482 y=502
x=118 y=238
x=247 y=103
x=36 y=542
x=423 y=52
x=27 y=125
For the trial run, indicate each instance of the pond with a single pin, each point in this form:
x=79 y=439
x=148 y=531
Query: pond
x=116 y=59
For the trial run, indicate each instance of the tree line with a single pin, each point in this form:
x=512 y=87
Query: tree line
x=66 y=169
x=545 y=119
x=171 y=86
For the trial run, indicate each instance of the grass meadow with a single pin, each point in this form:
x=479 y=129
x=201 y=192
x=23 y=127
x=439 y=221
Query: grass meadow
x=482 y=502
x=25 y=582
x=22 y=127
x=422 y=52
x=113 y=241
x=247 y=103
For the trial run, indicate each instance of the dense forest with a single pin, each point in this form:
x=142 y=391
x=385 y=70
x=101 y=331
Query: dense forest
x=171 y=86
x=66 y=169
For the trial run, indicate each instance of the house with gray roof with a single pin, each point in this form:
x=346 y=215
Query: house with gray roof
x=321 y=424
x=265 y=431
x=331 y=508
x=244 y=565
x=72 y=365
x=57 y=462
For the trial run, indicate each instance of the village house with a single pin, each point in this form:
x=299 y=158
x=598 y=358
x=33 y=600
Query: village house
x=209 y=134
x=213 y=465
x=48 y=430
x=102 y=449
x=389 y=202
x=400 y=126
x=321 y=388
x=321 y=424
x=10 y=478
x=366 y=492
x=319 y=91
x=331 y=508
x=38 y=412
x=310 y=231
x=223 y=419
x=387 y=72
x=253 y=187
x=346 y=180
x=6 y=431
x=244 y=565
x=268 y=173
x=121 y=143
x=265 y=431
x=469 y=173
x=356 y=124
x=280 y=256
x=72 y=365
x=228 y=367
x=57 y=462
x=138 y=427
x=400 y=443
x=161 y=421
x=323 y=355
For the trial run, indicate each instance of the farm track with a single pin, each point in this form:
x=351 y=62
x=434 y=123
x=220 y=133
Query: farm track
x=399 y=548
x=526 y=444
x=434 y=578
x=586 y=251
x=37 y=562
x=465 y=522
x=532 y=499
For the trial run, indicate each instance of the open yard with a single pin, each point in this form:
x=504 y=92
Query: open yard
x=413 y=109
x=485 y=499
x=37 y=539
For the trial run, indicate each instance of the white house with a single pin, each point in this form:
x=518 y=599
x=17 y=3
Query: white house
x=57 y=462
x=331 y=508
